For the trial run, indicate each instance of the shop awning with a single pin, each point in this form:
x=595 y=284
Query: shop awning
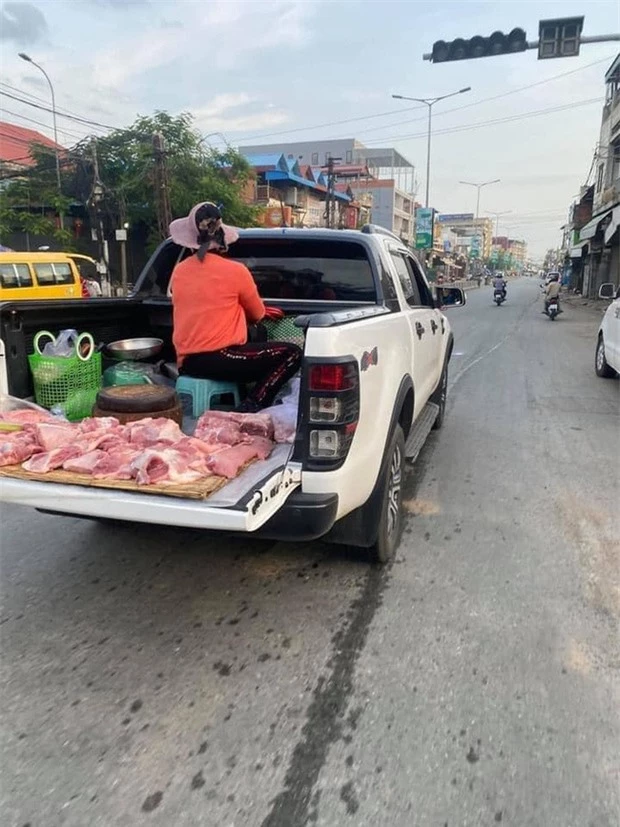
x=613 y=224
x=589 y=231
x=577 y=250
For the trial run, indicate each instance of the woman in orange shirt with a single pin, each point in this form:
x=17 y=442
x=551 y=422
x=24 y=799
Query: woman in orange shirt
x=214 y=299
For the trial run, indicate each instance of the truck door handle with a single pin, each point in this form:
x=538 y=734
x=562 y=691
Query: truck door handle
x=434 y=326
x=419 y=329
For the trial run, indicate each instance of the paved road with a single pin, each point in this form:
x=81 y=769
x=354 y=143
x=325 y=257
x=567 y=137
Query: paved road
x=164 y=677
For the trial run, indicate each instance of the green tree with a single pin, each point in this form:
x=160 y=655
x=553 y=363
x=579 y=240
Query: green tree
x=125 y=160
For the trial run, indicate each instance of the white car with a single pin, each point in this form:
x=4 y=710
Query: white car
x=607 y=362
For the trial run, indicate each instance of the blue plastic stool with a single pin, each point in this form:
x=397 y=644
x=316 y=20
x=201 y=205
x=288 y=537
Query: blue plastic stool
x=200 y=395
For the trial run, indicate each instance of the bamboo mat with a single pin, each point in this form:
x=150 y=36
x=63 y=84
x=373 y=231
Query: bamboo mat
x=199 y=490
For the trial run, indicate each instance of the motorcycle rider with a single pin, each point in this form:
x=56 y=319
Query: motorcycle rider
x=552 y=291
x=499 y=283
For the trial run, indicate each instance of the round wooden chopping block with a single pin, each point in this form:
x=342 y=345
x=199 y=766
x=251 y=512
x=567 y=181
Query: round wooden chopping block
x=175 y=413
x=136 y=398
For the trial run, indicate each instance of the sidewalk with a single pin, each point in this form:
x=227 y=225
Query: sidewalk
x=593 y=307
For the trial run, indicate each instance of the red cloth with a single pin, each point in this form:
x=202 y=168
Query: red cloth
x=213 y=302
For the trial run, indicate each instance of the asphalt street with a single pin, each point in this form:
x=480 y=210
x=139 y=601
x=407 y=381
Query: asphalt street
x=171 y=678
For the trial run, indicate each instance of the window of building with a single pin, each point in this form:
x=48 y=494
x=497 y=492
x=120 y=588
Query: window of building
x=15 y=275
x=615 y=161
x=315 y=159
x=600 y=177
x=327 y=157
x=349 y=156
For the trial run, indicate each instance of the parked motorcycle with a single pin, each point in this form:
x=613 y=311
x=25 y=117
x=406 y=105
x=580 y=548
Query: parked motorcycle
x=552 y=309
x=498 y=297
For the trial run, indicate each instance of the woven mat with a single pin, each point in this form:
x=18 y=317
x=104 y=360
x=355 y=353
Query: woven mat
x=199 y=490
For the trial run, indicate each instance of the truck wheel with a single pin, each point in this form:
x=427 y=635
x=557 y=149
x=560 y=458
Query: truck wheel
x=602 y=368
x=391 y=514
x=439 y=398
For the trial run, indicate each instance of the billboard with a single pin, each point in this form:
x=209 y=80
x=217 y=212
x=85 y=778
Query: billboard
x=475 y=246
x=424 y=220
x=464 y=216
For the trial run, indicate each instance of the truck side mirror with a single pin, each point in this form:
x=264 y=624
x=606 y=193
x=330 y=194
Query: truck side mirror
x=450 y=297
x=606 y=291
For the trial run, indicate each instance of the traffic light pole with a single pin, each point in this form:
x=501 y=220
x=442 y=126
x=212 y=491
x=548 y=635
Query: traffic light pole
x=535 y=44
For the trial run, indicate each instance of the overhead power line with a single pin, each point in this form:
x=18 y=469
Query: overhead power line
x=410 y=109
x=494 y=122
x=75 y=118
x=39 y=123
x=37 y=99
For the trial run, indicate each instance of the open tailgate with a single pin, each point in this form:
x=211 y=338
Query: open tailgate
x=257 y=505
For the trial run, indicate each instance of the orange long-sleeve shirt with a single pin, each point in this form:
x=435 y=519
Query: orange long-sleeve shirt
x=212 y=303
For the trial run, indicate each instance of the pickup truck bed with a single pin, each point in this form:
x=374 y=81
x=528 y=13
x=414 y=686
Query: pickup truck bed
x=378 y=348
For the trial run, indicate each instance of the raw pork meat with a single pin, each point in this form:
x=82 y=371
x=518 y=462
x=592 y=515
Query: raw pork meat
x=216 y=427
x=26 y=417
x=147 y=432
x=116 y=464
x=98 y=423
x=227 y=463
x=262 y=445
x=85 y=463
x=51 y=435
x=258 y=424
x=50 y=460
x=167 y=465
x=17 y=447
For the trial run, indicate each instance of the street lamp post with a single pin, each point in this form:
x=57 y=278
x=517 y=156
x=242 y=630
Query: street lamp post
x=430 y=102
x=497 y=217
x=28 y=59
x=479 y=187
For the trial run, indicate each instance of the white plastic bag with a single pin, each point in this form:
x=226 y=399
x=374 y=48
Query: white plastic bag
x=64 y=345
x=290 y=392
x=284 y=418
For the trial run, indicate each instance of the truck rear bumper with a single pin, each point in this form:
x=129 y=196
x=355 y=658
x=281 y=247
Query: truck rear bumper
x=278 y=512
x=302 y=517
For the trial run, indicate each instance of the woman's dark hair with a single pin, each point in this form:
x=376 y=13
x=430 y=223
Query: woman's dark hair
x=210 y=231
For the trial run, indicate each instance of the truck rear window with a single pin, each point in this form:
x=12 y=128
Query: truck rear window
x=285 y=268
x=309 y=270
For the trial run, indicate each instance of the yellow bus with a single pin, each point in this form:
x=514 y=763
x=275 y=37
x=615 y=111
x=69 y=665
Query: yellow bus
x=39 y=276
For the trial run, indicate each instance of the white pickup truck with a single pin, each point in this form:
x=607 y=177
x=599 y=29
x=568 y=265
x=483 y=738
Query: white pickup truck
x=373 y=384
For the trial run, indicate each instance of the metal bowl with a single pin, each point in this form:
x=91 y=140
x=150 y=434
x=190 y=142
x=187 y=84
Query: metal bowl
x=134 y=349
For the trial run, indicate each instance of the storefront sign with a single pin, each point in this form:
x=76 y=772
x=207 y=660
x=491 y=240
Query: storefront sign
x=424 y=220
x=447 y=218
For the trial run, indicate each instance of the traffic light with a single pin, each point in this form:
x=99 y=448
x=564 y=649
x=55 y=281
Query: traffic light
x=497 y=44
x=560 y=37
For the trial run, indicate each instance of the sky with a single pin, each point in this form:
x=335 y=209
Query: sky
x=295 y=69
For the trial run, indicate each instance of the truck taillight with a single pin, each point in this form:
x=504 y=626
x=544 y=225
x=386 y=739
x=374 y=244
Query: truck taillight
x=331 y=412
x=333 y=377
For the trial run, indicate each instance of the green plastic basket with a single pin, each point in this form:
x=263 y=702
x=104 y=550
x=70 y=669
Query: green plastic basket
x=68 y=383
x=284 y=330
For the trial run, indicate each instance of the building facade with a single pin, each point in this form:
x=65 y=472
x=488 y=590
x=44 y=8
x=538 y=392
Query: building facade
x=387 y=177
x=592 y=237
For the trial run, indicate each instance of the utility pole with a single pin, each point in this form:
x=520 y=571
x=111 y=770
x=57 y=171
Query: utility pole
x=162 y=189
x=330 y=204
x=97 y=196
